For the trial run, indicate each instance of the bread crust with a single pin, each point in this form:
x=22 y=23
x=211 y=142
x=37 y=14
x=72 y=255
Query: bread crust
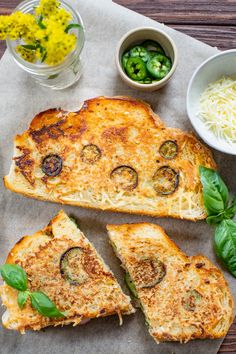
x=169 y=314
x=40 y=256
x=126 y=132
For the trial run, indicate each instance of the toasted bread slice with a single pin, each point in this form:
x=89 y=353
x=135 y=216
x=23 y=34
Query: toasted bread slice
x=182 y=297
x=61 y=262
x=113 y=154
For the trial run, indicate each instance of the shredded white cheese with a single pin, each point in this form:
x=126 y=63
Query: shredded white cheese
x=218 y=108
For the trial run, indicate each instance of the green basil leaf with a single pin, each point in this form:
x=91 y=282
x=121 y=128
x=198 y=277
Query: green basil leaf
x=215 y=192
x=44 y=305
x=14 y=276
x=22 y=298
x=72 y=25
x=231 y=211
x=225 y=244
x=215 y=219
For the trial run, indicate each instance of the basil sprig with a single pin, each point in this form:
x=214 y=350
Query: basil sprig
x=225 y=244
x=220 y=211
x=215 y=192
x=16 y=277
x=216 y=197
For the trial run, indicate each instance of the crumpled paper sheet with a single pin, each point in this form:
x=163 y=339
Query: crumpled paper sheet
x=20 y=99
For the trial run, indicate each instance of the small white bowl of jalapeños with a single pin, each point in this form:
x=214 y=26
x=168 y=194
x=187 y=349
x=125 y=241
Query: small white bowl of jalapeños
x=211 y=101
x=146 y=58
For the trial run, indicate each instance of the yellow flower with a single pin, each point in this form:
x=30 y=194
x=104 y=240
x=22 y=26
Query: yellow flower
x=40 y=35
x=58 y=46
x=47 y=8
x=4 y=25
x=26 y=54
x=27 y=24
x=60 y=18
x=17 y=25
x=11 y=26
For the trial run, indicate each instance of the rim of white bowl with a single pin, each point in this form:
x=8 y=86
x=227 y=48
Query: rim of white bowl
x=154 y=84
x=192 y=119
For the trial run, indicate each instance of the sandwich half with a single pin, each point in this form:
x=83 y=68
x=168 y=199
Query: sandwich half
x=61 y=262
x=182 y=297
x=113 y=154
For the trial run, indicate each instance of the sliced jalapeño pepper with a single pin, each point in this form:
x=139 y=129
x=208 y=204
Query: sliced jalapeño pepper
x=124 y=59
x=152 y=53
x=159 y=66
x=139 y=52
x=153 y=46
x=136 y=69
x=147 y=80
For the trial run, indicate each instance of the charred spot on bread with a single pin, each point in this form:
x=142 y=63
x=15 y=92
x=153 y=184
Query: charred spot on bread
x=168 y=149
x=191 y=299
x=52 y=131
x=165 y=180
x=125 y=177
x=90 y=153
x=25 y=163
x=148 y=272
x=52 y=165
x=71 y=266
x=199 y=265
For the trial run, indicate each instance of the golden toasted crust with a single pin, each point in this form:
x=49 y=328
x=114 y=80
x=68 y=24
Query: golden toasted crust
x=191 y=299
x=97 y=293
x=120 y=132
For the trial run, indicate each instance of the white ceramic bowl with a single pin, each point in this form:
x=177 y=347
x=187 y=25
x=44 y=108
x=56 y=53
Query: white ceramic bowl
x=222 y=64
x=137 y=36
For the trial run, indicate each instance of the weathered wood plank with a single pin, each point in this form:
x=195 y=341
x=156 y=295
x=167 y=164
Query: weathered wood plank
x=215 y=12
x=222 y=37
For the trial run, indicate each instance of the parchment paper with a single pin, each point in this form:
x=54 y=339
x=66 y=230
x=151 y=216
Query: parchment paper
x=20 y=100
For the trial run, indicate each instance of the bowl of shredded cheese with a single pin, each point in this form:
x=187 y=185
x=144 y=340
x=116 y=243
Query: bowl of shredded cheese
x=211 y=101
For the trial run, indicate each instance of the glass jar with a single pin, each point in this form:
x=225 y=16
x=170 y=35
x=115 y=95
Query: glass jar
x=59 y=76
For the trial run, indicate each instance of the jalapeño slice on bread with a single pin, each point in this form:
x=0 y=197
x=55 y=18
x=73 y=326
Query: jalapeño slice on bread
x=60 y=262
x=113 y=154
x=182 y=297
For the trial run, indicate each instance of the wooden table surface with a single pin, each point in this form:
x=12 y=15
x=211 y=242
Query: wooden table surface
x=212 y=21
